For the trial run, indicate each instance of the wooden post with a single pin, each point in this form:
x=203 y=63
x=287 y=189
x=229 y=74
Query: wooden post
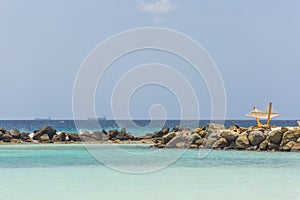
x=257 y=120
x=269 y=115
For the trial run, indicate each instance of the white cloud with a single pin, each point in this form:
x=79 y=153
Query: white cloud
x=160 y=6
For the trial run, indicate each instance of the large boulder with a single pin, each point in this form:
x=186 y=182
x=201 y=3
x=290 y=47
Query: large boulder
x=242 y=141
x=264 y=145
x=229 y=135
x=177 y=129
x=60 y=137
x=180 y=138
x=167 y=138
x=2 y=130
x=48 y=130
x=209 y=142
x=6 y=138
x=73 y=137
x=14 y=133
x=193 y=137
x=44 y=139
x=290 y=135
x=234 y=128
x=123 y=135
x=197 y=130
x=214 y=127
x=275 y=136
x=112 y=134
x=220 y=143
x=162 y=132
x=25 y=137
x=296 y=147
x=288 y=146
x=256 y=137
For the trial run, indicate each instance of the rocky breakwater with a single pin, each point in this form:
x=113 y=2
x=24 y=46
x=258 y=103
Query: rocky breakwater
x=211 y=136
x=215 y=136
x=47 y=134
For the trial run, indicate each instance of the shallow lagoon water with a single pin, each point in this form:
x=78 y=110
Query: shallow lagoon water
x=71 y=172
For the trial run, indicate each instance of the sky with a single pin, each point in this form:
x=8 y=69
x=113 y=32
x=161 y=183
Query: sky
x=255 y=45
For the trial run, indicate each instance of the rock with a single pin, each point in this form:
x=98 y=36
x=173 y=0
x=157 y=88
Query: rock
x=15 y=141
x=177 y=139
x=273 y=146
x=290 y=135
x=264 y=145
x=122 y=136
x=275 y=136
x=162 y=132
x=60 y=137
x=213 y=135
x=284 y=129
x=232 y=145
x=181 y=145
x=197 y=130
x=14 y=133
x=229 y=135
x=73 y=137
x=234 y=128
x=1 y=135
x=167 y=138
x=288 y=146
x=112 y=134
x=177 y=129
x=256 y=137
x=199 y=141
x=214 y=126
x=209 y=142
x=2 y=130
x=192 y=138
x=296 y=147
x=221 y=143
x=242 y=141
x=25 y=137
x=202 y=134
x=298 y=140
x=44 y=138
x=48 y=130
x=6 y=137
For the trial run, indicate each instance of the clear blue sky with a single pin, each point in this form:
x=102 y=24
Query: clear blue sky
x=255 y=45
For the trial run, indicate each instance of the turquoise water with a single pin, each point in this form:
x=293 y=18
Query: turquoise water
x=70 y=172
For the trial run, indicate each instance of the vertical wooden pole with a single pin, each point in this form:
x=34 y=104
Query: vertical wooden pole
x=269 y=115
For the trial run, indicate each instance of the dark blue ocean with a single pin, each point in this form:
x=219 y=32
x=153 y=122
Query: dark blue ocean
x=141 y=126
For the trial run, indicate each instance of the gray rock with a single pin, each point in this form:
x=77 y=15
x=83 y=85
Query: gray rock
x=192 y=138
x=6 y=138
x=214 y=126
x=177 y=129
x=162 y=132
x=73 y=137
x=44 y=138
x=275 y=136
x=209 y=142
x=167 y=138
x=229 y=135
x=220 y=143
x=296 y=147
x=288 y=146
x=256 y=137
x=14 y=133
x=264 y=145
x=48 y=130
x=199 y=142
x=273 y=146
x=25 y=137
x=290 y=135
x=60 y=137
x=175 y=140
x=242 y=141
x=2 y=130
